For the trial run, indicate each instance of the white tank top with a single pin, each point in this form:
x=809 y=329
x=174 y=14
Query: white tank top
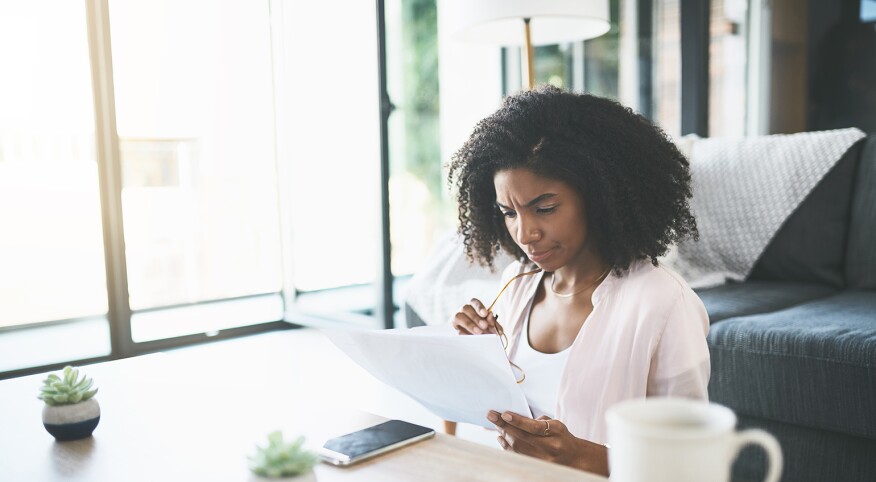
x=543 y=372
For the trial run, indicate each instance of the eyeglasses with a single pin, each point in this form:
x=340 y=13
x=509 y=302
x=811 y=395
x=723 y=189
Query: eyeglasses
x=500 y=330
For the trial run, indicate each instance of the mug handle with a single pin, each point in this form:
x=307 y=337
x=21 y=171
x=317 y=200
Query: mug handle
x=770 y=446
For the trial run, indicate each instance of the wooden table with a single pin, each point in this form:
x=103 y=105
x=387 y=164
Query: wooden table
x=195 y=414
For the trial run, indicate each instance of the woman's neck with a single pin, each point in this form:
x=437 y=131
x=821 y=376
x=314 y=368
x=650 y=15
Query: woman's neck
x=573 y=277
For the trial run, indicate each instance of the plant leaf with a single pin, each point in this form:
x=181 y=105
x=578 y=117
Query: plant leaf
x=84 y=385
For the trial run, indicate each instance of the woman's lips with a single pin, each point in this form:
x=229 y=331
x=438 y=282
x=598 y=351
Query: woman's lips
x=540 y=256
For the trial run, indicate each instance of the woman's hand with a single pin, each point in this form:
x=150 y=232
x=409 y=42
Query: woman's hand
x=474 y=319
x=532 y=437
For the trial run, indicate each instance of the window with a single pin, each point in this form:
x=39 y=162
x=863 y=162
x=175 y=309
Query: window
x=666 y=76
x=727 y=68
x=52 y=277
x=329 y=140
x=194 y=147
x=637 y=62
x=225 y=174
x=420 y=206
x=195 y=119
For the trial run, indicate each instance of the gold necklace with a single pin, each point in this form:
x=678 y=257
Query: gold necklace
x=569 y=295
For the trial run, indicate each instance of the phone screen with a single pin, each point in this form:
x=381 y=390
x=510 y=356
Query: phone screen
x=377 y=439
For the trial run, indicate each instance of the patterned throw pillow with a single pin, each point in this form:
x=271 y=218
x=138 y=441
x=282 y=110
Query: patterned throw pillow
x=743 y=192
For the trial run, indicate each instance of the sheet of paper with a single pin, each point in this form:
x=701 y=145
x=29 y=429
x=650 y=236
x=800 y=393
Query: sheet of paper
x=458 y=378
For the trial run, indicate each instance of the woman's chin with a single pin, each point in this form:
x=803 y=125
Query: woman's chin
x=545 y=265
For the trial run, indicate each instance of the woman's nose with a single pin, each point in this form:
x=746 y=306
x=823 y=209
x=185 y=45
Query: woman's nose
x=527 y=233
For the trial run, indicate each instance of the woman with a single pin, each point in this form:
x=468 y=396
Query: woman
x=586 y=194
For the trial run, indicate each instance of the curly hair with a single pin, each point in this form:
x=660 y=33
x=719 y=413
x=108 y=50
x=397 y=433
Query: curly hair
x=634 y=181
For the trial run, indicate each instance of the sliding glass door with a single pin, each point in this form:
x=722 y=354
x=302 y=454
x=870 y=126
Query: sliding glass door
x=179 y=170
x=329 y=153
x=195 y=119
x=52 y=283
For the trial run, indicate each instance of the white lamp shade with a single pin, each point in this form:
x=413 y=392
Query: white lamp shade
x=551 y=21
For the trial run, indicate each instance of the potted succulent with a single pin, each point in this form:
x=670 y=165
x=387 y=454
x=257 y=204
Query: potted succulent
x=281 y=460
x=71 y=412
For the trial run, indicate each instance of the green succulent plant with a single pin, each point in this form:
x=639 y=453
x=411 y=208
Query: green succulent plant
x=281 y=459
x=66 y=390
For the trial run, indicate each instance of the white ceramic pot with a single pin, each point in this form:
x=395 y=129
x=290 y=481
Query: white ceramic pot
x=305 y=477
x=72 y=422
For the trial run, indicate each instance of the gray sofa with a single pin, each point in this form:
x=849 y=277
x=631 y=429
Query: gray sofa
x=794 y=347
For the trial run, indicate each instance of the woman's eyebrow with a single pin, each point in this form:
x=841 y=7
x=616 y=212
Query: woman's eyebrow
x=535 y=201
x=541 y=198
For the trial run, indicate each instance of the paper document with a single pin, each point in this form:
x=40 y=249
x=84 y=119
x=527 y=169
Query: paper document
x=459 y=378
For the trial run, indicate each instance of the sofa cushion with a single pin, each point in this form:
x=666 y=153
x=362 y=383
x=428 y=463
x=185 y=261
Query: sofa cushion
x=813 y=364
x=810 y=245
x=752 y=297
x=861 y=254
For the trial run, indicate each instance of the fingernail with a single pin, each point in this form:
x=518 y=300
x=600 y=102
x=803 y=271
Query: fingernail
x=506 y=417
x=483 y=324
x=493 y=416
x=478 y=330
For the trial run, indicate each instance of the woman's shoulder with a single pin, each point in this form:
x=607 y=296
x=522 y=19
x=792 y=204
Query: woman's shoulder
x=650 y=293
x=657 y=284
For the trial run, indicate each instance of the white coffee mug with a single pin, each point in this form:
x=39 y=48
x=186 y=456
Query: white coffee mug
x=678 y=440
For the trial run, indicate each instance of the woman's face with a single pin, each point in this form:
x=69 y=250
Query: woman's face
x=545 y=217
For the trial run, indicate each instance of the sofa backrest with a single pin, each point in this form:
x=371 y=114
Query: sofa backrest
x=810 y=246
x=861 y=252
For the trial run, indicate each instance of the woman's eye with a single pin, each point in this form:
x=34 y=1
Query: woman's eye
x=509 y=214
x=547 y=210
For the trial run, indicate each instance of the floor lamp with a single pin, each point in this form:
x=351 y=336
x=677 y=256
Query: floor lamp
x=527 y=23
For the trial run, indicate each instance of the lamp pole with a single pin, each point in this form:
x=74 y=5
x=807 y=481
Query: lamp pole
x=530 y=57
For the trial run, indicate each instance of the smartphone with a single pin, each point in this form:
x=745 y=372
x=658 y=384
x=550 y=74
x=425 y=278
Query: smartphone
x=369 y=442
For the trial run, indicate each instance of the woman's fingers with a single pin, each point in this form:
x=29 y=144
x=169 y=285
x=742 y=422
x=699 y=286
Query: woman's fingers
x=463 y=324
x=478 y=307
x=510 y=442
x=512 y=438
x=469 y=322
x=529 y=436
x=530 y=427
x=487 y=322
x=548 y=439
x=474 y=319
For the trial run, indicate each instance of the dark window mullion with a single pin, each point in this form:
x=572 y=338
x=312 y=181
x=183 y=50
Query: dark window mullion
x=384 y=307
x=645 y=29
x=695 y=67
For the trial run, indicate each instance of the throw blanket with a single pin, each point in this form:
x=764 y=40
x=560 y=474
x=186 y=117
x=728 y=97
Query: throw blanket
x=743 y=191
x=447 y=281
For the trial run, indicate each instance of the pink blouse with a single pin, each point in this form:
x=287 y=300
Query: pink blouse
x=646 y=336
